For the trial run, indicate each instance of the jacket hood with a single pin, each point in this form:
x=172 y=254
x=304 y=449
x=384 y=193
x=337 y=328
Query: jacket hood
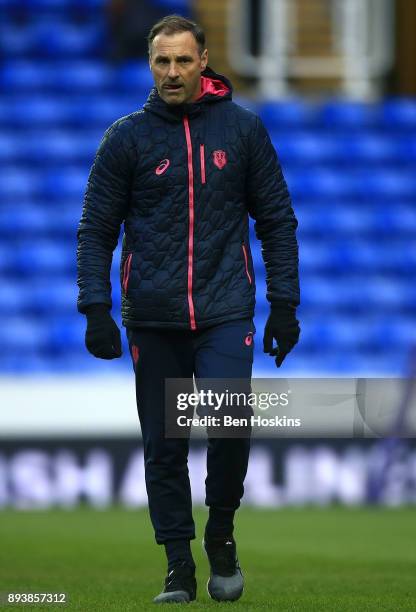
x=214 y=88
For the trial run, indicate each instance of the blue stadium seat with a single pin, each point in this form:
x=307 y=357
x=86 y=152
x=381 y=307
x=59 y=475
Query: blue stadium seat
x=13 y=297
x=51 y=38
x=55 y=183
x=387 y=183
x=367 y=147
x=8 y=148
x=366 y=334
x=100 y=112
x=402 y=332
x=23 y=111
x=320 y=181
x=314 y=255
x=38 y=219
x=63 y=219
x=15 y=221
x=338 y=219
x=18 y=183
x=174 y=6
x=303 y=147
x=407 y=148
x=383 y=293
x=65 y=332
x=61 y=5
x=6 y=260
x=20 y=361
x=18 y=76
x=67 y=40
x=399 y=218
x=58 y=298
x=15 y=41
x=58 y=76
x=46 y=258
x=64 y=183
x=22 y=334
x=45 y=147
x=400 y=113
x=57 y=111
x=26 y=75
x=96 y=113
x=325 y=182
x=349 y=114
x=316 y=289
x=82 y=76
x=322 y=147
x=286 y=113
x=133 y=76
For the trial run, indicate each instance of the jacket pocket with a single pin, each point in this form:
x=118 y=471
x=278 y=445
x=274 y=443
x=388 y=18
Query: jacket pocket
x=126 y=272
x=202 y=161
x=243 y=246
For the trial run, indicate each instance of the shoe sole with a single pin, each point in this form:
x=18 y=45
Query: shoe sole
x=172 y=597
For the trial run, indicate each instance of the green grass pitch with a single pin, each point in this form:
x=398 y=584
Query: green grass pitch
x=293 y=559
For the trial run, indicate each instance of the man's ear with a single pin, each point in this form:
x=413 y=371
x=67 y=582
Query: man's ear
x=204 y=60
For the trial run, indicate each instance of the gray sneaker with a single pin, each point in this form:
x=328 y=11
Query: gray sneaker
x=226 y=581
x=180 y=585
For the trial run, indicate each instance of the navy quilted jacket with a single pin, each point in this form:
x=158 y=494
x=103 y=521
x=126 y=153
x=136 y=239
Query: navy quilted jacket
x=183 y=180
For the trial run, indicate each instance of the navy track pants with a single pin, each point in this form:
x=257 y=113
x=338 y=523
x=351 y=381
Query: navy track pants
x=222 y=351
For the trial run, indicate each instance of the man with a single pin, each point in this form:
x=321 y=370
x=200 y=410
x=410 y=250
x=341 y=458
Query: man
x=183 y=174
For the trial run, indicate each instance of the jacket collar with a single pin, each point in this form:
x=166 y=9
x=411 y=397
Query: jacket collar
x=214 y=88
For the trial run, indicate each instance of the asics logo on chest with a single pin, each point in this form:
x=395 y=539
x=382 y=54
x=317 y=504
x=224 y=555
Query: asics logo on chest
x=162 y=167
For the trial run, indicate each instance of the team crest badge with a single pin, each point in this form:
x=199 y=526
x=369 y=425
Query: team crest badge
x=220 y=159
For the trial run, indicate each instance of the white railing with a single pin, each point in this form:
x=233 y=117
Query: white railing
x=362 y=45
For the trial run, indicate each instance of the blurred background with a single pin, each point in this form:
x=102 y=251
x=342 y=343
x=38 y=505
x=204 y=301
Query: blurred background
x=335 y=83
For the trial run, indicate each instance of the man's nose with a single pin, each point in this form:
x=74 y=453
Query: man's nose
x=173 y=71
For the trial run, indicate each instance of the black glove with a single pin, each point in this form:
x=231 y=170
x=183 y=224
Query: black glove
x=283 y=326
x=102 y=337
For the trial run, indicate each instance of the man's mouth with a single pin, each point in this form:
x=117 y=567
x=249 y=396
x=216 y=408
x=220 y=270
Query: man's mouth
x=173 y=87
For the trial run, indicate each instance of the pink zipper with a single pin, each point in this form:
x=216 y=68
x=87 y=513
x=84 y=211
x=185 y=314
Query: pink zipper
x=126 y=272
x=246 y=262
x=202 y=157
x=191 y=221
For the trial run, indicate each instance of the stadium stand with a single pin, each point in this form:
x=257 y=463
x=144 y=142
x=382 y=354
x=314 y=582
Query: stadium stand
x=350 y=169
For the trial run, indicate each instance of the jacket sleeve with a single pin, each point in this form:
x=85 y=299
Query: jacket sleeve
x=105 y=206
x=270 y=206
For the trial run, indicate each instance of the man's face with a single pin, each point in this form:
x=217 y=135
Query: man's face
x=176 y=65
